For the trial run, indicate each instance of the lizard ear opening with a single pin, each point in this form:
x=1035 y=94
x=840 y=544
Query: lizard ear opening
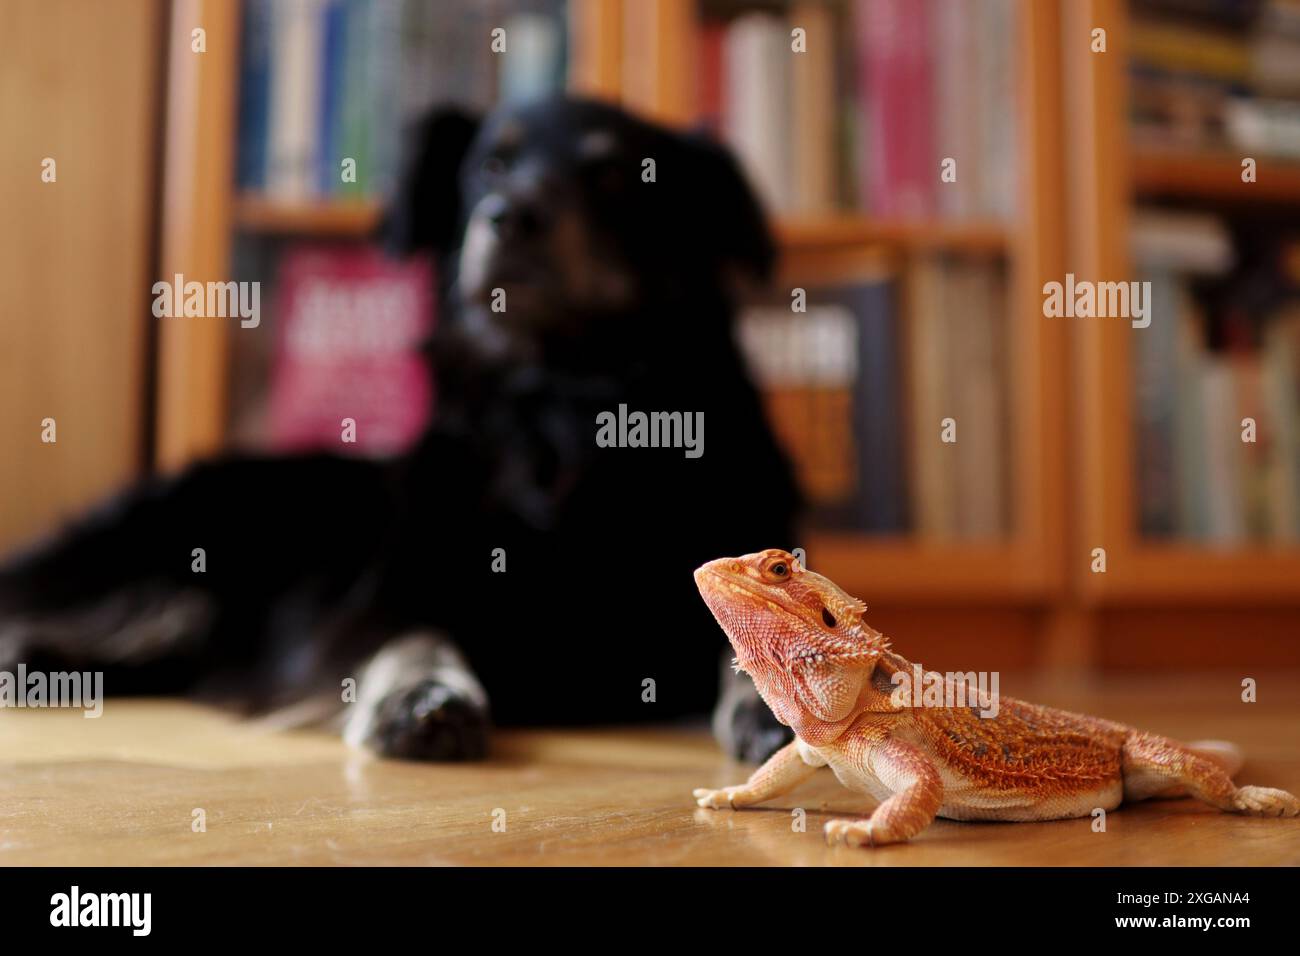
x=828 y=618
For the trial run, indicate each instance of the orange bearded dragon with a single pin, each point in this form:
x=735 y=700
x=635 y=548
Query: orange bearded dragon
x=829 y=676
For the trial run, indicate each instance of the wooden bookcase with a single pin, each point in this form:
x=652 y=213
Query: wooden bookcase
x=1025 y=569
x=1110 y=177
x=1071 y=402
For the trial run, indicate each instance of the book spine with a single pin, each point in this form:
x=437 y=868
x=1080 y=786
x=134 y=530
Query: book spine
x=333 y=45
x=354 y=112
x=1156 y=389
x=930 y=459
x=896 y=86
x=1226 y=519
x=383 y=75
x=254 y=95
x=882 y=505
x=1191 y=454
x=812 y=100
x=1281 y=392
x=295 y=80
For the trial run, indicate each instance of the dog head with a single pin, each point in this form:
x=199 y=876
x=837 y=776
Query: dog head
x=557 y=214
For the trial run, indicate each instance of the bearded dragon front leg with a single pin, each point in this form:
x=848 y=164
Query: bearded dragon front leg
x=869 y=760
x=784 y=771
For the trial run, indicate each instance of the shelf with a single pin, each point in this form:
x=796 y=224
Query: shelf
x=359 y=218
x=1186 y=574
x=1165 y=172
x=356 y=218
x=810 y=234
x=911 y=570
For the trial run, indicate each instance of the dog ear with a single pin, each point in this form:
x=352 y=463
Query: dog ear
x=727 y=218
x=424 y=211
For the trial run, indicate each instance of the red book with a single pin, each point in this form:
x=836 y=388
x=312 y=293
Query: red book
x=711 y=73
x=349 y=323
x=895 y=78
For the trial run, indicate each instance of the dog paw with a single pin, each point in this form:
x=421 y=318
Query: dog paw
x=1265 y=802
x=429 y=721
x=753 y=734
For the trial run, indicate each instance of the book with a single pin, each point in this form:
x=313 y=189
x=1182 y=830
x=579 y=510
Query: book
x=996 y=99
x=348 y=324
x=895 y=83
x=1181 y=242
x=1155 y=393
x=1191 y=452
x=756 y=60
x=1225 y=515
x=882 y=505
x=254 y=86
x=354 y=117
x=812 y=109
x=931 y=462
x=805 y=364
x=1280 y=394
x=974 y=311
x=712 y=38
x=957 y=126
x=532 y=64
x=333 y=49
x=294 y=90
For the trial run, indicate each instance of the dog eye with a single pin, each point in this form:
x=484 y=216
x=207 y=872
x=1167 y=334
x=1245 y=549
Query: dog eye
x=495 y=163
x=597 y=145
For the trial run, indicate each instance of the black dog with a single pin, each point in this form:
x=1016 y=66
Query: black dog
x=560 y=568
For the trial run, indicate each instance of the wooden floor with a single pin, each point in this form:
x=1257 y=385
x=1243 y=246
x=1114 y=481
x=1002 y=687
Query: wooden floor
x=123 y=790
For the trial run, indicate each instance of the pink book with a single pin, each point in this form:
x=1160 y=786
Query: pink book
x=895 y=78
x=711 y=74
x=349 y=323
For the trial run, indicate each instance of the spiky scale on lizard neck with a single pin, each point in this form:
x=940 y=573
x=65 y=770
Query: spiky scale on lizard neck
x=802 y=639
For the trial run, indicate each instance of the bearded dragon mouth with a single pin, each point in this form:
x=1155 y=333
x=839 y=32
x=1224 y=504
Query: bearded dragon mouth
x=716 y=577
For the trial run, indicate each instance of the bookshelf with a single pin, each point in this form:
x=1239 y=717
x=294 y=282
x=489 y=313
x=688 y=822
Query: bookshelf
x=642 y=55
x=1071 y=436
x=1109 y=177
x=353 y=219
x=1023 y=570
x=1210 y=176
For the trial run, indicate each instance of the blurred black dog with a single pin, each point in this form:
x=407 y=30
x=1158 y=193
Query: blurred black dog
x=589 y=261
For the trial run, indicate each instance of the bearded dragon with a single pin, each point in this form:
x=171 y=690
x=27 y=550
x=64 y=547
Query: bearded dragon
x=830 y=676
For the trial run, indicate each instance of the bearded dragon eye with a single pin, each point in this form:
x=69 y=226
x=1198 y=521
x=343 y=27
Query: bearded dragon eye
x=828 y=617
x=779 y=570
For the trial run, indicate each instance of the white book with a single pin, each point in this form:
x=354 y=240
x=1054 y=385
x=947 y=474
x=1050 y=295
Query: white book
x=785 y=349
x=1181 y=241
x=530 y=65
x=297 y=28
x=756 y=57
x=1223 y=452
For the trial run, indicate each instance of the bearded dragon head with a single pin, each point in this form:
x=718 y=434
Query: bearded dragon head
x=801 y=638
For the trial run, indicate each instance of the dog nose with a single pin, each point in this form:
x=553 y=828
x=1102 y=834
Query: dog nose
x=513 y=216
